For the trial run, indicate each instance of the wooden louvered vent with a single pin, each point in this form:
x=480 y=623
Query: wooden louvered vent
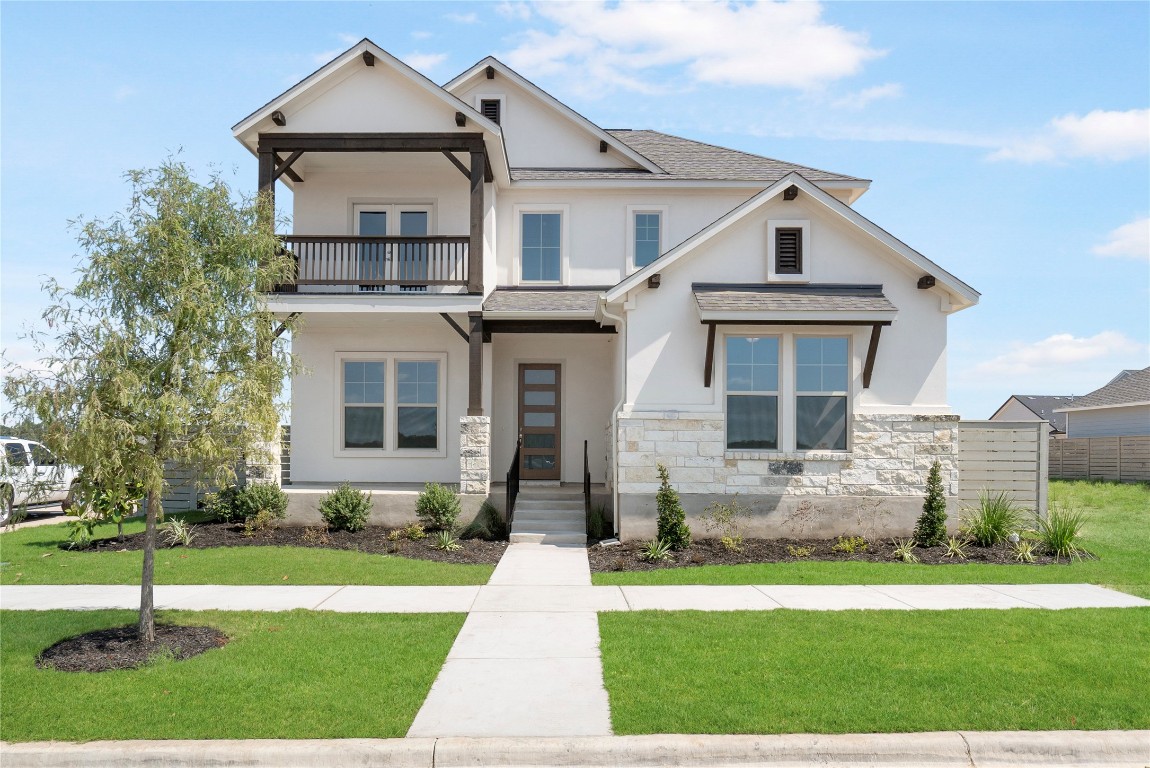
x=788 y=251
x=490 y=109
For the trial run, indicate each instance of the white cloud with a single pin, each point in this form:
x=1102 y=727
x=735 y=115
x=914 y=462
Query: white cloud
x=783 y=45
x=348 y=39
x=123 y=93
x=462 y=18
x=1129 y=241
x=1057 y=356
x=864 y=97
x=1100 y=135
x=420 y=35
x=323 y=57
x=514 y=10
x=424 y=61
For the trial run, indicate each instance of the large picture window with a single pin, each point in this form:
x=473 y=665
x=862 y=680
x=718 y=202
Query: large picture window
x=821 y=380
x=392 y=402
x=364 y=403
x=752 y=393
x=541 y=258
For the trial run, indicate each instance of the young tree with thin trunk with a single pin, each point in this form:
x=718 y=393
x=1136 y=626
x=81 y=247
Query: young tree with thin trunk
x=162 y=353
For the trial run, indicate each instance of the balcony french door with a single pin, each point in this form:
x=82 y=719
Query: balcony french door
x=539 y=421
x=405 y=261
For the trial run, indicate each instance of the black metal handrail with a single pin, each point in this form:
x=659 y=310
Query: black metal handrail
x=513 y=482
x=349 y=260
x=586 y=485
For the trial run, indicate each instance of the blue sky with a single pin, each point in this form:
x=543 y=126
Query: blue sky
x=1009 y=142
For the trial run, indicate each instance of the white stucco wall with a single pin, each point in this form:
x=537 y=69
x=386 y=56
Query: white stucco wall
x=1109 y=422
x=588 y=369
x=1013 y=410
x=666 y=341
x=316 y=454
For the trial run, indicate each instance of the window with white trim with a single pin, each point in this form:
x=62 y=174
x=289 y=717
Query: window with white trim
x=541 y=247
x=364 y=403
x=752 y=392
x=417 y=399
x=391 y=402
x=821 y=379
x=648 y=237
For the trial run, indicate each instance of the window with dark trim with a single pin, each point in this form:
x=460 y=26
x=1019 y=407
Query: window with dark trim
x=490 y=108
x=789 y=251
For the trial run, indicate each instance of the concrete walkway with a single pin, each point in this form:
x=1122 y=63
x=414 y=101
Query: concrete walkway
x=522 y=666
x=504 y=596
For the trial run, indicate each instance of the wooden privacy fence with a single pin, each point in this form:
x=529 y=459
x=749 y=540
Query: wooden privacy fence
x=1125 y=459
x=1008 y=456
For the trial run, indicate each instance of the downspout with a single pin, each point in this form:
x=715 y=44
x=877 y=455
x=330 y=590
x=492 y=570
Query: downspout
x=620 y=323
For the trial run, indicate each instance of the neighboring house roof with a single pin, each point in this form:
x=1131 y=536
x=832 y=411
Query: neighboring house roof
x=576 y=301
x=1131 y=389
x=849 y=302
x=1043 y=407
x=962 y=294
x=687 y=160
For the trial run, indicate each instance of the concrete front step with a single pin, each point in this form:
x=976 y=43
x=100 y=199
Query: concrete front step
x=579 y=539
x=574 y=517
x=548 y=504
x=547 y=526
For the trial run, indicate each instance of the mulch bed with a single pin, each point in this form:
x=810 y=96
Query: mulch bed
x=122 y=648
x=372 y=540
x=625 y=557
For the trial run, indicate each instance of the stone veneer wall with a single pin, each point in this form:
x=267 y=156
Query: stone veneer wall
x=889 y=457
x=475 y=454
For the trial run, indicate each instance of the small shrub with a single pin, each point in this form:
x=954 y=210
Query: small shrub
x=799 y=552
x=179 y=534
x=487 y=525
x=904 y=551
x=445 y=542
x=995 y=518
x=414 y=532
x=315 y=537
x=956 y=548
x=849 y=544
x=656 y=551
x=620 y=564
x=930 y=530
x=256 y=498
x=438 y=507
x=1024 y=551
x=599 y=526
x=697 y=558
x=1060 y=531
x=81 y=530
x=727 y=519
x=261 y=521
x=672 y=523
x=221 y=505
x=346 y=508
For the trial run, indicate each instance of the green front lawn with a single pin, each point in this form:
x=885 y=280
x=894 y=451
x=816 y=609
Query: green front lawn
x=1118 y=531
x=296 y=675
x=876 y=671
x=33 y=556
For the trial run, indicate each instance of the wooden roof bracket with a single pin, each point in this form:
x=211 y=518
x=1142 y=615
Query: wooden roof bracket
x=709 y=362
x=462 y=333
x=871 y=353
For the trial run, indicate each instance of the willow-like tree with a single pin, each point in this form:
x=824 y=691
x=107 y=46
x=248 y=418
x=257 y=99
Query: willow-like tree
x=163 y=352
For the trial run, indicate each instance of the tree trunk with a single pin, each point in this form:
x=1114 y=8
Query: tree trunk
x=147 y=610
x=120 y=530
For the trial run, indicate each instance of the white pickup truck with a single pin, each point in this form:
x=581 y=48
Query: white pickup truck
x=31 y=474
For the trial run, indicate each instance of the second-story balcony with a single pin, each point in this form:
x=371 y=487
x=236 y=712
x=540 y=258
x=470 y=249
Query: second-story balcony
x=375 y=263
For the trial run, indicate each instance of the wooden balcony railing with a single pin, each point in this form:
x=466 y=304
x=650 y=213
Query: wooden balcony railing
x=372 y=261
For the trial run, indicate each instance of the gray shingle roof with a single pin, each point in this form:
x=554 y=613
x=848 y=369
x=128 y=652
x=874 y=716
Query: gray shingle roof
x=1043 y=406
x=715 y=297
x=582 y=299
x=685 y=160
x=1132 y=388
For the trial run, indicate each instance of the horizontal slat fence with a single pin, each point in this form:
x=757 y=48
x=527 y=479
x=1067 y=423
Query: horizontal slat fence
x=1009 y=456
x=1125 y=459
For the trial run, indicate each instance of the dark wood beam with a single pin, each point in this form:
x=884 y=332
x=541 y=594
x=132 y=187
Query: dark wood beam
x=284 y=325
x=791 y=192
x=372 y=142
x=457 y=163
x=709 y=361
x=490 y=72
x=462 y=333
x=369 y=58
x=602 y=146
x=926 y=281
x=871 y=353
x=475 y=250
x=267 y=185
x=460 y=119
x=546 y=326
x=475 y=364
x=278 y=118
x=284 y=166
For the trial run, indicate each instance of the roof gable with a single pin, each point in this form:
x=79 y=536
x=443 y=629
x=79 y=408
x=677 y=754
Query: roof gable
x=560 y=118
x=1131 y=389
x=962 y=294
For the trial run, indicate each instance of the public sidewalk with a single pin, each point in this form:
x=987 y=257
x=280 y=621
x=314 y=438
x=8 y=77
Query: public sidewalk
x=503 y=596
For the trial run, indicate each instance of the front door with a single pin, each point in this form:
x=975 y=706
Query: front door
x=539 y=423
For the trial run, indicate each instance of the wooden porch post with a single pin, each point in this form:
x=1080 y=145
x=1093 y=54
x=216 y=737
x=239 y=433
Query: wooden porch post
x=475 y=364
x=475 y=251
x=268 y=184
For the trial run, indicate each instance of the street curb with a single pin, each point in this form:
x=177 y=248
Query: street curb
x=967 y=749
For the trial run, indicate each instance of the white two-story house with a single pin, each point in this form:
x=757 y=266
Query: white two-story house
x=477 y=263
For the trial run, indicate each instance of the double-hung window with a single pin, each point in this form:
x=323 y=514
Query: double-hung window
x=417 y=395
x=821 y=380
x=752 y=393
x=364 y=403
x=541 y=246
